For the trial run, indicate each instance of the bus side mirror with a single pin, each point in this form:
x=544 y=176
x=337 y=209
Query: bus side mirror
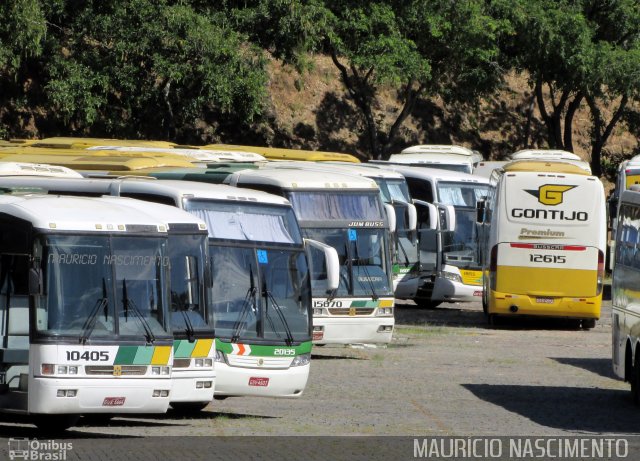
x=35 y=281
x=412 y=223
x=430 y=213
x=447 y=218
x=391 y=216
x=480 y=209
x=332 y=263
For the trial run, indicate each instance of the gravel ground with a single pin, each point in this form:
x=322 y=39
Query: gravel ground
x=445 y=373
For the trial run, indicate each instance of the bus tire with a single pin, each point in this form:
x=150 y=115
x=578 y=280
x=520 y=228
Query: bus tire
x=588 y=324
x=54 y=424
x=427 y=303
x=635 y=379
x=492 y=319
x=187 y=408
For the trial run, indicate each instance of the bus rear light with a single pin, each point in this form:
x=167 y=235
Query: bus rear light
x=600 y=272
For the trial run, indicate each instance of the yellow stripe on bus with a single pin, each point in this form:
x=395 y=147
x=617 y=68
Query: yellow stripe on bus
x=547 y=281
x=203 y=346
x=161 y=355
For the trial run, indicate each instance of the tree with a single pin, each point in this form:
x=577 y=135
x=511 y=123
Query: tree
x=580 y=51
x=416 y=48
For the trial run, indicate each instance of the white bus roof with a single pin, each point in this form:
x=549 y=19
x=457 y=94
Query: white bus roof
x=437 y=174
x=36 y=169
x=435 y=158
x=438 y=149
x=358 y=169
x=86 y=214
x=544 y=154
x=172 y=188
x=196 y=155
x=301 y=179
x=485 y=168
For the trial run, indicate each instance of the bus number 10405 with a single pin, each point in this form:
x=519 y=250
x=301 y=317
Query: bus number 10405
x=93 y=356
x=557 y=259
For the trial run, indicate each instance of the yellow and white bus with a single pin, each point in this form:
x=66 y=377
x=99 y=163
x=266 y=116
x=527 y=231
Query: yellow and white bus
x=625 y=293
x=280 y=153
x=544 y=236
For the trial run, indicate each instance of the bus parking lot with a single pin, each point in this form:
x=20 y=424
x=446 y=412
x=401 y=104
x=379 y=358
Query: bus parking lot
x=446 y=372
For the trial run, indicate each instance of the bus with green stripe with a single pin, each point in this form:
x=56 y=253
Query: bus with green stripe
x=346 y=213
x=85 y=321
x=260 y=282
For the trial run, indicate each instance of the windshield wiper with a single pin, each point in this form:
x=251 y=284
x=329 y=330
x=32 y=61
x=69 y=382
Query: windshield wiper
x=90 y=323
x=269 y=297
x=189 y=326
x=249 y=302
x=126 y=303
x=374 y=295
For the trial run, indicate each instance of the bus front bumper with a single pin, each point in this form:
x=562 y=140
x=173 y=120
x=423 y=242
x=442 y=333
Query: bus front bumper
x=561 y=307
x=192 y=385
x=353 y=330
x=239 y=381
x=113 y=395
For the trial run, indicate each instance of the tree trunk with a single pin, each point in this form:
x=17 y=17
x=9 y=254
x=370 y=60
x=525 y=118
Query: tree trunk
x=601 y=133
x=574 y=105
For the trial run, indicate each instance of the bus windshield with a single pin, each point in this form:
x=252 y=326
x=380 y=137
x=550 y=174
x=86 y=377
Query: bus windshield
x=234 y=220
x=461 y=247
x=363 y=262
x=323 y=205
x=461 y=194
x=103 y=286
x=393 y=190
x=189 y=311
x=261 y=294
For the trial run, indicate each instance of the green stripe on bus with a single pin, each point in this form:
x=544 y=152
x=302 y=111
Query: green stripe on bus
x=264 y=351
x=144 y=355
x=182 y=348
x=125 y=355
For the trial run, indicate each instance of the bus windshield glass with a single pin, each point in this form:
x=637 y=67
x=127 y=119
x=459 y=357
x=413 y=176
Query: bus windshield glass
x=393 y=190
x=103 y=286
x=232 y=220
x=188 y=305
x=323 y=205
x=461 y=194
x=261 y=294
x=363 y=262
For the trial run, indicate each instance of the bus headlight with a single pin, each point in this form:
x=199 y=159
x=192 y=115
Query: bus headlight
x=300 y=360
x=450 y=276
x=385 y=311
x=48 y=369
x=317 y=311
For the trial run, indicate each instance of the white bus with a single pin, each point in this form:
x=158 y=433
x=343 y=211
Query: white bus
x=628 y=175
x=625 y=295
x=345 y=212
x=84 y=309
x=401 y=213
x=544 y=234
x=449 y=247
x=447 y=157
x=259 y=289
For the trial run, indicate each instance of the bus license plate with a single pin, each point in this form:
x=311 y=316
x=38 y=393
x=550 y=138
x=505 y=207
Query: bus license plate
x=477 y=293
x=544 y=300
x=260 y=382
x=113 y=401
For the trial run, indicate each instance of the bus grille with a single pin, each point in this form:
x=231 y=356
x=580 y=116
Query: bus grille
x=351 y=311
x=252 y=361
x=107 y=370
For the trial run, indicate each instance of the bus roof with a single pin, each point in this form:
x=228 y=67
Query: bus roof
x=45 y=152
x=436 y=158
x=438 y=149
x=103 y=162
x=209 y=175
x=86 y=214
x=547 y=166
x=195 y=155
x=345 y=168
x=279 y=153
x=543 y=154
x=437 y=174
x=175 y=189
x=302 y=179
x=36 y=169
x=83 y=143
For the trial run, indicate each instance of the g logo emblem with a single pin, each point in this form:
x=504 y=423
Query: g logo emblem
x=550 y=194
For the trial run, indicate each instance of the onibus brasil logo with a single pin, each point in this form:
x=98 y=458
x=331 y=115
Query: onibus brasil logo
x=550 y=194
x=41 y=450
